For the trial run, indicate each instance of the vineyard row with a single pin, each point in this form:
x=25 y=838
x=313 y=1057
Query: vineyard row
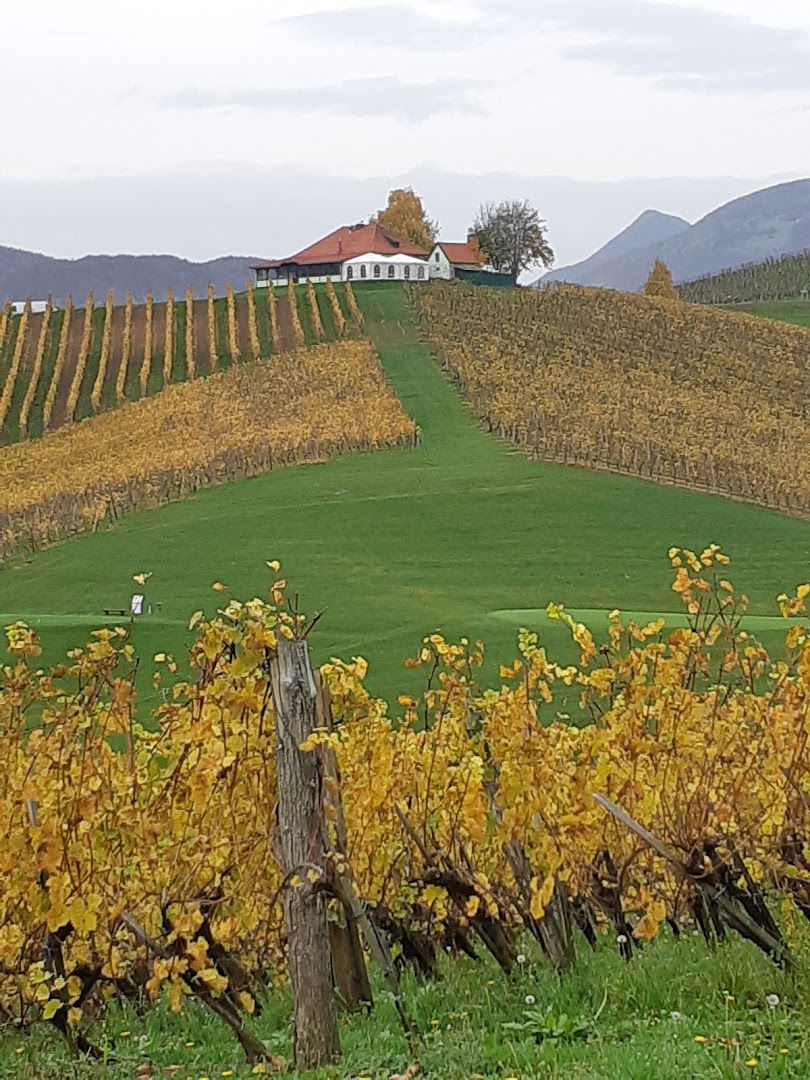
x=67 y=364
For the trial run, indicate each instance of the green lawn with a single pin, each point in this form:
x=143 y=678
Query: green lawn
x=400 y=543
x=792 y=311
x=616 y=1021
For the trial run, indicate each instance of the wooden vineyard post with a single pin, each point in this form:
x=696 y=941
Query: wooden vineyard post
x=302 y=849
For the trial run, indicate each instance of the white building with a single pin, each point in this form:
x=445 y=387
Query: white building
x=374 y=267
x=37 y=306
x=446 y=259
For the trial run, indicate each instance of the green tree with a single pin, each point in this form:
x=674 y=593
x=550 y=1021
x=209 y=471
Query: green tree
x=512 y=235
x=405 y=217
x=660 y=282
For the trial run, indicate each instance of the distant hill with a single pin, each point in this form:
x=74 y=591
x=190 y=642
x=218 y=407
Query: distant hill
x=27 y=273
x=765 y=225
x=787 y=278
x=652 y=227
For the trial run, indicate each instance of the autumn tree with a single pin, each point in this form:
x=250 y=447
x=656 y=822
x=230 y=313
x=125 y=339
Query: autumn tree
x=660 y=283
x=513 y=236
x=405 y=217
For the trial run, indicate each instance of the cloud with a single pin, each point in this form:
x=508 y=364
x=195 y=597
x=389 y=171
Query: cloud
x=385 y=96
x=679 y=47
x=391 y=26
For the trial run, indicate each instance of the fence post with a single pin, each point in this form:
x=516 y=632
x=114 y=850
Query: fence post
x=302 y=843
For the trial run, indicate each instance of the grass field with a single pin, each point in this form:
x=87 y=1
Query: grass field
x=677 y=1012
x=792 y=311
x=400 y=543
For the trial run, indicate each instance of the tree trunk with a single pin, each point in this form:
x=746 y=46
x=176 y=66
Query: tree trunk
x=302 y=846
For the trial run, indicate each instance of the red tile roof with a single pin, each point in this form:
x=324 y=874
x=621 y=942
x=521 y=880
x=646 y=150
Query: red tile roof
x=460 y=254
x=347 y=243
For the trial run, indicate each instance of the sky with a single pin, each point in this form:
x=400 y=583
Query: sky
x=203 y=128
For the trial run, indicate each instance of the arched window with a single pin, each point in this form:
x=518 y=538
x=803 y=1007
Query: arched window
x=406 y=272
x=420 y=273
x=377 y=270
x=392 y=271
x=349 y=273
x=363 y=270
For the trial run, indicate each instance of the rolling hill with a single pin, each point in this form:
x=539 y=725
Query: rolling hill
x=28 y=273
x=765 y=225
x=650 y=228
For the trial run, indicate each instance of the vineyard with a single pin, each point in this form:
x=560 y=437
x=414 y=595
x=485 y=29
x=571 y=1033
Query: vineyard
x=67 y=364
x=652 y=388
x=306 y=405
x=787 y=278
x=159 y=861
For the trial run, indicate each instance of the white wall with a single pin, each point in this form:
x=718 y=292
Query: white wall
x=440 y=265
x=385 y=269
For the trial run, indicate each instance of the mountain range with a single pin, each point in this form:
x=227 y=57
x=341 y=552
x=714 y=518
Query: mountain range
x=27 y=273
x=767 y=224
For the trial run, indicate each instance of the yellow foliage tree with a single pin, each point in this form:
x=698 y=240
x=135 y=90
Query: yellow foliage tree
x=406 y=218
x=660 y=283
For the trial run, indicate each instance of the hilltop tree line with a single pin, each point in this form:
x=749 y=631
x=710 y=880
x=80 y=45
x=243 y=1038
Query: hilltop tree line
x=787 y=278
x=508 y=236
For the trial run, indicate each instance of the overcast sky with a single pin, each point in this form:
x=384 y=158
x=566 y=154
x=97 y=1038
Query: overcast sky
x=213 y=104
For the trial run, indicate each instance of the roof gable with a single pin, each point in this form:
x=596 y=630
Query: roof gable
x=460 y=254
x=348 y=242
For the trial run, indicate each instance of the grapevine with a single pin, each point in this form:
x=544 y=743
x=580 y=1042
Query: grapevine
x=255 y=347
x=233 y=333
x=81 y=361
x=190 y=343
x=16 y=361
x=146 y=365
x=36 y=371
x=314 y=313
x=213 y=362
x=56 y=378
x=295 y=315
x=168 y=347
x=337 y=311
x=104 y=357
x=126 y=352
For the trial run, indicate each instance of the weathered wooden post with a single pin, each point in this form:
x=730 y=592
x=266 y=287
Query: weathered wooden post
x=302 y=843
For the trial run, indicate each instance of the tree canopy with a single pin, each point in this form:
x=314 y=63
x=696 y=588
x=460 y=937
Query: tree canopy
x=512 y=235
x=660 y=282
x=405 y=217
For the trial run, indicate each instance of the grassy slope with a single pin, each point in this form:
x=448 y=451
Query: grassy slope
x=792 y=311
x=400 y=543
x=634 y=1037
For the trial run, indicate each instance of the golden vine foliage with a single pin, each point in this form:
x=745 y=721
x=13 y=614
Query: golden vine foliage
x=36 y=370
x=61 y=353
x=213 y=361
x=120 y=834
x=190 y=361
x=357 y=315
x=314 y=313
x=337 y=311
x=656 y=388
x=272 y=315
x=126 y=352
x=104 y=357
x=253 y=327
x=146 y=365
x=295 y=315
x=16 y=361
x=233 y=332
x=168 y=347
x=128 y=336
x=242 y=422
x=81 y=362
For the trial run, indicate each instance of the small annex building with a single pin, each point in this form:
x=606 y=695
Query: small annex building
x=327 y=259
x=446 y=260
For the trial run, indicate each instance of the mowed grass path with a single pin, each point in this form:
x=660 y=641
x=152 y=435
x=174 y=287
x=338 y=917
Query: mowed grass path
x=400 y=543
